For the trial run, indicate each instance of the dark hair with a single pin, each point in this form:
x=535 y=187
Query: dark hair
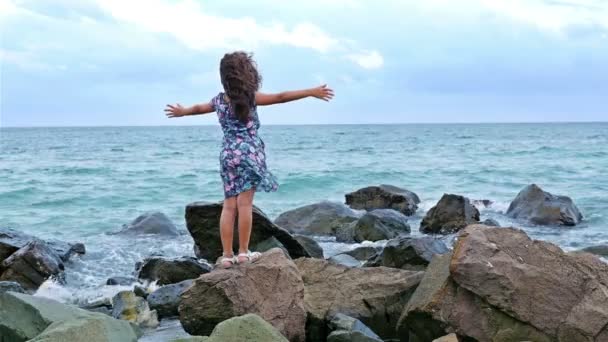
x=241 y=80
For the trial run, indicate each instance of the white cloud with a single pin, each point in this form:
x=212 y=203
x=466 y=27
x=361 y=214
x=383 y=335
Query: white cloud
x=367 y=59
x=189 y=24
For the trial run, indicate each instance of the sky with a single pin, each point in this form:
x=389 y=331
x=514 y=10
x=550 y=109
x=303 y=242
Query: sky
x=119 y=62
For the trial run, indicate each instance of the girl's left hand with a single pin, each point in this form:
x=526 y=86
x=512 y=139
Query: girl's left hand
x=175 y=111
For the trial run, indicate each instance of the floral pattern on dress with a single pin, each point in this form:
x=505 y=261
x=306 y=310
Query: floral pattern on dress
x=242 y=159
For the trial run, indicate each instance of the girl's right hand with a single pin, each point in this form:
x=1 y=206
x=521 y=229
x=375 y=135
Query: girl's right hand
x=323 y=93
x=175 y=111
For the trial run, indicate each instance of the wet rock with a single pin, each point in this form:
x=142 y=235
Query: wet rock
x=491 y=223
x=31 y=265
x=384 y=197
x=268 y=244
x=11 y=240
x=451 y=214
x=311 y=246
x=203 y=219
x=246 y=328
x=409 y=253
x=141 y=291
x=123 y=281
x=155 y=223
x=346 y=329
x=364 y=253
x=482 y=203
x=321 y=218
x=129 y=307
x=25 y=317
x=375 y=296
x=542 y=208
x=166 y=299
x=380 y=224
x=274 y=291
x=12 y=286
x=601 y=250
x=171 y=271
x=345 y=260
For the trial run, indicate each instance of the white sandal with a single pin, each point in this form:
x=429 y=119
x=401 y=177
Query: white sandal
x=224 y=259
x=251 y=257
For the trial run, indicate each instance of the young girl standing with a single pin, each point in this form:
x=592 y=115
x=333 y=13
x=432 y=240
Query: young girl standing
x=242 y=159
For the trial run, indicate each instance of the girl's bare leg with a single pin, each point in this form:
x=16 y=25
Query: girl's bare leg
x=244 y=202
x=227 y=218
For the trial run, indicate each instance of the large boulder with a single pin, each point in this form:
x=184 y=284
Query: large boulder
x=347 y=329
x=364 y=253
x=321 y=218
x=310 y=245
x=246 y=328
x=130 y=307
x=542 y=208
x=451 y=214
x=380 y=224
x=12 y=240
x=384 y=197
x=165 y=300
x=31 y=265
x=409 y=253
x=155 y=223
x=271 y=287
x=24 y=317
x=501 y=285
x=85 y=329
x=171 y=270
x=375 y=296
x=203 y=221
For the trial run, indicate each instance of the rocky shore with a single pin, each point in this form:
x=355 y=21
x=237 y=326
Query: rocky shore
x=493 y=283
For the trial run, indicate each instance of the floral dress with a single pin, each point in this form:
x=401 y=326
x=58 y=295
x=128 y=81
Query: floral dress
x=242 y=159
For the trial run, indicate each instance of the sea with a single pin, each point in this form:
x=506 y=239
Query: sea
x=80 y=184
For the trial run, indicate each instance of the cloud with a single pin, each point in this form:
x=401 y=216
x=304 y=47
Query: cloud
x=191 y=25
x=367 y=59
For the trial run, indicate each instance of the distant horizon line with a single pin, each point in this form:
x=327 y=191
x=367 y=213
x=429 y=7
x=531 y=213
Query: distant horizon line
x=331 y=124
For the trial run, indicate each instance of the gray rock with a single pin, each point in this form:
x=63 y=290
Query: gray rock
x=321 y=218
x=166 y=299
x=346 y=260
x=171 y=271
x=310 y=245
x=409 y=253
x=202 y=220
x=31 y=265
x=247 y=328
x=601 y=250
x=380 y=224
x=348 y=329
x=140 y=291
x=124 y=281
x=268 y=244
x=25 y=317
x=129 y=307
x=451 y=214
x=384 y=197
x=486 y=203
x=11 y=240
x=151 y=223
x=12 y=286
x=364 y=253
x=542 y=208
x=66 y=250
x=491 y=223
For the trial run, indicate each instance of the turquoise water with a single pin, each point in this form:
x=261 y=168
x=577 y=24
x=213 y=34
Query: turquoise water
x=77 y=184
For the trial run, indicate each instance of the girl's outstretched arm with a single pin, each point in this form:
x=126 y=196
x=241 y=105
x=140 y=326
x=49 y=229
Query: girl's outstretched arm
x=176 y=111
x=321 y=92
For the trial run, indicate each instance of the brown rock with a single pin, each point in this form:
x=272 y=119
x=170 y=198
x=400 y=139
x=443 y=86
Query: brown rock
x=31 y=265
x=270 y=287
x=203 y=219
x=451 y=214
x=375 y=296
x=564 y=295
x=384 y=197
x=447 y=338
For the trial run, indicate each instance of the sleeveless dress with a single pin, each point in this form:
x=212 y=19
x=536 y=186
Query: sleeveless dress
x=242 y=159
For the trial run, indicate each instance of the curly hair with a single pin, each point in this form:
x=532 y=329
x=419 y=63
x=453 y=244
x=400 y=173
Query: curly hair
x=241 y=80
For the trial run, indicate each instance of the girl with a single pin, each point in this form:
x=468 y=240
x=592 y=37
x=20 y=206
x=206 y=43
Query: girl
x=242 y=159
